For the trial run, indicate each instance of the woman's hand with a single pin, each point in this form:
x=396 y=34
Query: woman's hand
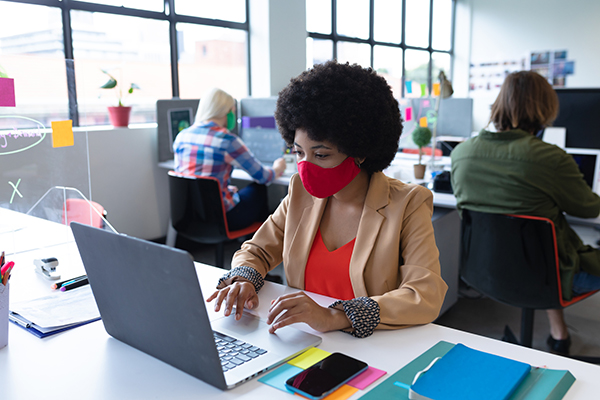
x=239 y=294
x=279 y=167
x=232 y=189
x=298 y=307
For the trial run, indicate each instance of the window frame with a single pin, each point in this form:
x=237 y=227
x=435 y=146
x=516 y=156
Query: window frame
x=172 y=17
x=335 y=38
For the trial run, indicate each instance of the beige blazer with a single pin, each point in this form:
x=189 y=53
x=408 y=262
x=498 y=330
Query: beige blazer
x=395 y=260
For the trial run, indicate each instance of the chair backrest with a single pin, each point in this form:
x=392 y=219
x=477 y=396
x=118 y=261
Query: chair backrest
x=84 y=211
x=197 y=209
x=512 y=259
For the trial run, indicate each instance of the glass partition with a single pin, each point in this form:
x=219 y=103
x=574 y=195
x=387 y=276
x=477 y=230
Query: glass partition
x=44 y=171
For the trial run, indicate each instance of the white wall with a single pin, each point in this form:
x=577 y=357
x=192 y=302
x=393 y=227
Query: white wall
x=277 y=44
x=511 y=29
x=127 y=180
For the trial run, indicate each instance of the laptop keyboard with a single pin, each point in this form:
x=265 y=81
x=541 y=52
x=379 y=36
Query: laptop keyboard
x=234 y=352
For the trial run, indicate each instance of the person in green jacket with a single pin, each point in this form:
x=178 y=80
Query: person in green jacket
x=512 y=171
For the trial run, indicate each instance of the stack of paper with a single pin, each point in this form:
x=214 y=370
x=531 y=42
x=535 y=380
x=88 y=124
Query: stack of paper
x=56 y=313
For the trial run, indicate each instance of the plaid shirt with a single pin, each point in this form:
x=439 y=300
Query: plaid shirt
x=209 y=150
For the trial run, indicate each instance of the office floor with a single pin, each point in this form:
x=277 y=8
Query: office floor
x=478 y=315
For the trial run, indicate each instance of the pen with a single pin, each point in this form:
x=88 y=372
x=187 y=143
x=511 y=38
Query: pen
x=6 y=267
x=73 y=285
x=2 y=259
x=58 y=285
x=6 y=275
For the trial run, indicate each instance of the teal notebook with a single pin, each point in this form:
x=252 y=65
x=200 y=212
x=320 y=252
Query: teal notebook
x=468 y=374
x=539 y=384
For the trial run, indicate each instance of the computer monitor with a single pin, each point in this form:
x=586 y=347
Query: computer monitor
x=588 y=161
x=179 y=119
x=578 y=114
x=261 y=136
x=168 y=112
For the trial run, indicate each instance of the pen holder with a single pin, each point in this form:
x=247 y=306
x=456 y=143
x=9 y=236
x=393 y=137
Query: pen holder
x=4 y=295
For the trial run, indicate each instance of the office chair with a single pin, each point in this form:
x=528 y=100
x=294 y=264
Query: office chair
x=198 y=213
x=78 y=210
x=513 y=259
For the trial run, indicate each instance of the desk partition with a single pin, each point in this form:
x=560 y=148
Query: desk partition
x=44 y=168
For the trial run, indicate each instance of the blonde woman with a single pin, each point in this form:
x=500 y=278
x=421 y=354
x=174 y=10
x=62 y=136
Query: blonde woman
x=209 y=148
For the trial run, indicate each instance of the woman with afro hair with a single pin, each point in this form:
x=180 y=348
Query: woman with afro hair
x=345 y=229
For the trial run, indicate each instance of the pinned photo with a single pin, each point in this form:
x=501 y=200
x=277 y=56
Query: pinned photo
x=540 y=58
x=560 y=55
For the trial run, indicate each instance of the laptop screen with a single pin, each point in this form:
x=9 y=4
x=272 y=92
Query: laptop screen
x=588 y=161
x=587 y=166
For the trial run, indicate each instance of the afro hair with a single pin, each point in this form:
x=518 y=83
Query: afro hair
x=346 y=105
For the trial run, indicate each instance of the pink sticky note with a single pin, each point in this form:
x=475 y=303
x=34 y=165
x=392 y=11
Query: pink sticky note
x=408 y=113
x=7 y=92
x=366 y=378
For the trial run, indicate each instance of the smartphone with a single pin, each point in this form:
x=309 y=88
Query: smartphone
x=326 y=376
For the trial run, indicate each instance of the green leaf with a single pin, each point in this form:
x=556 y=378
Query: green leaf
x=421 y=136
x=107 y=73
x=133 y=86
x=110 y=84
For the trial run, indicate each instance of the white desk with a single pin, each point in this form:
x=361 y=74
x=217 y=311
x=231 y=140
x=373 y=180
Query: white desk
x=21 y=233
x=86 y=362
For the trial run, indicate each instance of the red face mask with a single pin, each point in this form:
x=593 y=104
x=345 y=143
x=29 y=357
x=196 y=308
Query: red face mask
x=324 y=182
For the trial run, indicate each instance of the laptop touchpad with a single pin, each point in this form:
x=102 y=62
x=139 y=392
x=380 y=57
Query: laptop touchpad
x=246 y=324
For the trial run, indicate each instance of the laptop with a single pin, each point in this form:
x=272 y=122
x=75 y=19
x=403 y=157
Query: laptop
x=149 y=297
x=588 y=161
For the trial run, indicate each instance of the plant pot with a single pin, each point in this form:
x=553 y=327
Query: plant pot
x=419 y=170
x=119 y=116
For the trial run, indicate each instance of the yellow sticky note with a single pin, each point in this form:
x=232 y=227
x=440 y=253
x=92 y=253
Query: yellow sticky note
x=436 y=89
x=308 y=358
x=62 y=133
x=423 y=122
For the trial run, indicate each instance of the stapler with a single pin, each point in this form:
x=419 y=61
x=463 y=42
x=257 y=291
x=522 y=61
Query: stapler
x=47 y=267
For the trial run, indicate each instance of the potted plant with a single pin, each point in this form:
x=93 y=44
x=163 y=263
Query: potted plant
x=421 y=136
x=119 y=115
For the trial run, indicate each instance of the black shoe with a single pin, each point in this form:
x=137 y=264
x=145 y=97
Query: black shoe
x=560 y=347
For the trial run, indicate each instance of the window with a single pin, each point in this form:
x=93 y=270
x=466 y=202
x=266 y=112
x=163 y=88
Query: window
x=211 y=56
x=226 y=10
x=168 y=48
x=404 y=40
x=152 y=5
x=132 y=50
x=34 y=53
x=318 y=16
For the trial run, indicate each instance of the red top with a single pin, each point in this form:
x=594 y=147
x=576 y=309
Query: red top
x=328 y=272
